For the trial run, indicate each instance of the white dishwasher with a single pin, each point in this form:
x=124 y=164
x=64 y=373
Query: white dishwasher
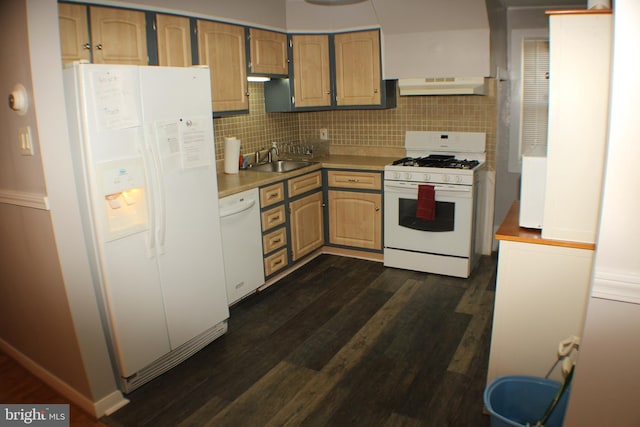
x=241 y=243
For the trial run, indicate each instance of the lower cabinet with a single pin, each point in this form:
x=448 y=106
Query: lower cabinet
x=292 y=221
x=307 y=230
x=355 y=219
x=354 y=206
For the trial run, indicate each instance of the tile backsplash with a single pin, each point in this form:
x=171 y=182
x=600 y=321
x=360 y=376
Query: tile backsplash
x=380 y=131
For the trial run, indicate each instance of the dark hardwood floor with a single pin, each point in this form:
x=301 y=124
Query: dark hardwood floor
x=19 y=386
x=338 y=342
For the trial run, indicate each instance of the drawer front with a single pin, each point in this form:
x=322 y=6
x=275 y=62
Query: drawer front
x=359 y=180
x=304 y=183
x=273 y=217
x=274 y=240
x=271 y=194
x=275 y=262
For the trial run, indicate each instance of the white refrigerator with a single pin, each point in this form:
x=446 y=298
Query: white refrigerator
x=142 y=143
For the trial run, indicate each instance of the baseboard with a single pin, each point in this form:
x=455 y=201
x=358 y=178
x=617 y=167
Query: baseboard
x=104 y=406
x=110 y=404
x=353 y=253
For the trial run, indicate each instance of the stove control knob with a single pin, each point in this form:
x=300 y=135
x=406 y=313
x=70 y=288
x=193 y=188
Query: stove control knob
x=426 y=177
x=407 y=176
x=445 y=178
x=396 y=175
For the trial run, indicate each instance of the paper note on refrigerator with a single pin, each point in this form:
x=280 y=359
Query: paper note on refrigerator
x=168 y=140
x=117 y=100
x=195 y=142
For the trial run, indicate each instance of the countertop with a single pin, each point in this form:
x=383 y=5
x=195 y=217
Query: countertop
x=229 y=184
x=510 y=230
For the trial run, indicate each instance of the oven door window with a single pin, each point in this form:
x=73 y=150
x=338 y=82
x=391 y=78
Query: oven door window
x=444 y=220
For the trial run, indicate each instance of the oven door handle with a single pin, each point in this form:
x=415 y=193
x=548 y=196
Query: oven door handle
x=414 y=186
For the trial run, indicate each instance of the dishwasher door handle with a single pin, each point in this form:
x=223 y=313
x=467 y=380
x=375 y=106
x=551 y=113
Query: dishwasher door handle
x=242 y=206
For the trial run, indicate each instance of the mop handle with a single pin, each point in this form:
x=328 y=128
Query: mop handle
x=557 y=397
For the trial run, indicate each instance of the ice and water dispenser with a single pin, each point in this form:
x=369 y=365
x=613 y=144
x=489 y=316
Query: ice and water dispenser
x=123 y=190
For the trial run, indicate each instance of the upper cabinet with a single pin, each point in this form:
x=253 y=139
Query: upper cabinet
x=118 y=36
x=174 y=40
x=312 y=82
x=268 y=52
x=222 y=47
x=352 y=58
x=357 y=68
x=74 y=33
x=308 y=71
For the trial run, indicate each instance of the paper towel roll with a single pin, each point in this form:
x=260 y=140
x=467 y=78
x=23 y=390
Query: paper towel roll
x=231 y=154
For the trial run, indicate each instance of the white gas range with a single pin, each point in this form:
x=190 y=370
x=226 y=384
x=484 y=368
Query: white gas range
x=446 y=164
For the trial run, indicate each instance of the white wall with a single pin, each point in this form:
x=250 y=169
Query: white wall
x=607 y=380
x=48 y=313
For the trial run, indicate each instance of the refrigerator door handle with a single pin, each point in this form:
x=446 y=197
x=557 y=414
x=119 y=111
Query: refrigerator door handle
x=161 y=213
x=160 y=209
x=151 y=204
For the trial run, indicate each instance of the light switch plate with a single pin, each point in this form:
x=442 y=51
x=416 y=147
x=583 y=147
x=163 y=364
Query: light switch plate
x=26 y=143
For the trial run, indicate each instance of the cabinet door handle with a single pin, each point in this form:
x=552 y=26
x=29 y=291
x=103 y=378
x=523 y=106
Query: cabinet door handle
x=377 y=208
x=276 y=240
x=99 y=46
x=86 y=46
x=353 y=180
x=375 y=91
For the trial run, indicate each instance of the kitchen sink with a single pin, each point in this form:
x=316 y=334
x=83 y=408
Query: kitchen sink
x=280 y=166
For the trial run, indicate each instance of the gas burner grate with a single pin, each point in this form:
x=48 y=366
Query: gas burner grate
x=437 y=161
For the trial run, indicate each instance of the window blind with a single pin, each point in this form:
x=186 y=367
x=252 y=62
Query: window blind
x=535 y=95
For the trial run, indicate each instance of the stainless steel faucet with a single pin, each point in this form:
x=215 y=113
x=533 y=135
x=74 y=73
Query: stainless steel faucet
x=272 y=150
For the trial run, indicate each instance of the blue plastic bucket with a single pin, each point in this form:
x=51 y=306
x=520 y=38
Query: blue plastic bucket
x=516 y=400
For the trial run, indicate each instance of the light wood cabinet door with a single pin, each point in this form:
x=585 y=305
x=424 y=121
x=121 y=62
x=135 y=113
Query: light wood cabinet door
x=274 y=240
x=275 y=262
x=358 y=77
x=273 y=217
x=307 y=228
x=268 y=52
x=271 y=194
x=355 y=180
x=311 y=76
x=74 y=32
x=174 y=41
x=355 y=219
x=304 y=183
x=222 y=47
x=118 y=36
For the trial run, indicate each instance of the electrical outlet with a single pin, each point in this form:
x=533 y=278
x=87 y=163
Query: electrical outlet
x=324 y=134
x=26 y=144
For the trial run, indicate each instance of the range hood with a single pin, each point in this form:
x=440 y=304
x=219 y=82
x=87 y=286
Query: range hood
x=442 y=86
